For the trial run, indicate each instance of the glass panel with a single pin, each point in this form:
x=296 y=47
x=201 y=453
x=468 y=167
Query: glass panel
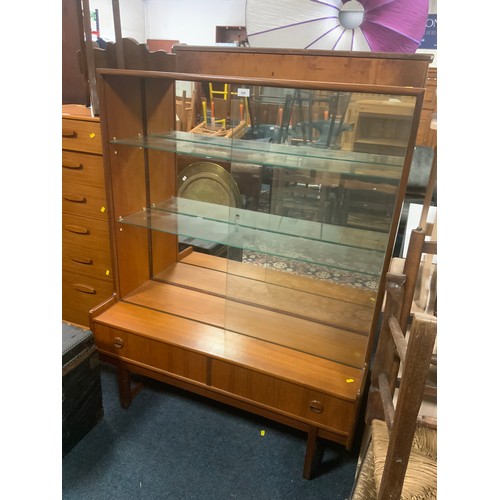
x=283 y=205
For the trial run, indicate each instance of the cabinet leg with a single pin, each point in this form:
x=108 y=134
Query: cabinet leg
x=125 y=389
x=312 y=437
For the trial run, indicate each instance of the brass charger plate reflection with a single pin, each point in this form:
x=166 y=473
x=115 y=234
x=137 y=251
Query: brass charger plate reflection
x=208 y=182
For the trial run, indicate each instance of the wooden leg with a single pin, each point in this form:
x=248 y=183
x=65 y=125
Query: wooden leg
x=126 y=391
x=124 y=387
x=312 y=437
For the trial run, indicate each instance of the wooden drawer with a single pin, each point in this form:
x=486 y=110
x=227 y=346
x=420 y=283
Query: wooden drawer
x=315 y=406
x=151 y=352
x=243 y=382
x=85 y=232
x=92 y=262
x=179 y=361
x=81 y=135
x=123 y=344
x=290 y=398
x=80 y=294
x=82 y=168
x=84 y=200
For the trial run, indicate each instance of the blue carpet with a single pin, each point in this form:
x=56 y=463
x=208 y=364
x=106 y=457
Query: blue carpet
x=173 y=445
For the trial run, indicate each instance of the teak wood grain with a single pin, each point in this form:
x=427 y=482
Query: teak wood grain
x=314 y=65
x=81 y=135
x=86 y=261
x=287 y=364
x=283 y=298
x=280 y=328
x=338 y=291
x=82 y=168
x=250 y=345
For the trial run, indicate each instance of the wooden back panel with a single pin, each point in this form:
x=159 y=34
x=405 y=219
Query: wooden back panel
x=316 y=65
x=136 y=56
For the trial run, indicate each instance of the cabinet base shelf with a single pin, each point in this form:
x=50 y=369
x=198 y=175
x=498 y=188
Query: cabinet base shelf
x=291 y=387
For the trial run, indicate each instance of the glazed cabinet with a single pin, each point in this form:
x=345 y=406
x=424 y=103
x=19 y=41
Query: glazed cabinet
x=249 y=251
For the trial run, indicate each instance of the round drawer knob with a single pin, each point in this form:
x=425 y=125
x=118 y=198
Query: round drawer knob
x=118 y=342
x=316 y=406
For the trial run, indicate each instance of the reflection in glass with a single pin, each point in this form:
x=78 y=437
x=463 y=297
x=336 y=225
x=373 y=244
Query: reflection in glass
x=285 y=198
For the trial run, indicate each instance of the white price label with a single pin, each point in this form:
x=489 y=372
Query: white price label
x=243 y=92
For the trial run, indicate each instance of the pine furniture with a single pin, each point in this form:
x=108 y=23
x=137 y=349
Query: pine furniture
x=86 y=259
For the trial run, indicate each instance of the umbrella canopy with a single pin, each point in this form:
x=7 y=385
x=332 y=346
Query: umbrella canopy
x=367 y=25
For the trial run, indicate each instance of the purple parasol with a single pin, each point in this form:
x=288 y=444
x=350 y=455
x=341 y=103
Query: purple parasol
x=369 y=25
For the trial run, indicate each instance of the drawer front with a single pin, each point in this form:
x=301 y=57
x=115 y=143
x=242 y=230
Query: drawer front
x=243 y=382
x=85 y=232
x=290 y=398
x=84 y=200
x=82 y=168
x=81 y=294
x=151 y=352
x=315 y=406
x=179 y=361
x=80 y=135
x=123 y=344
x=92 y=262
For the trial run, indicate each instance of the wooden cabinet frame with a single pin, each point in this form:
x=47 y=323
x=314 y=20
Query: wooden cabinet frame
x=174 y=329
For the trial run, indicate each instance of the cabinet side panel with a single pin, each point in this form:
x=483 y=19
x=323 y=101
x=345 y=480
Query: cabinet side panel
x=160 y=117
x=122 y=116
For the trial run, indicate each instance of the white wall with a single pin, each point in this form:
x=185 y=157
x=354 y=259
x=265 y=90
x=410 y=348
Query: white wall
x=189 y=21
x=192 y=21
x=132 y=16
x=432 y=10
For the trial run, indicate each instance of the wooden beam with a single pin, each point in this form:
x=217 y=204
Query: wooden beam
x=120 y=57
x=89 y=53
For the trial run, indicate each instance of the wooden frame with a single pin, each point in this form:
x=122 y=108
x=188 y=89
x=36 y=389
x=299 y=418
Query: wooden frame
x=174 y=329
x=411 y=354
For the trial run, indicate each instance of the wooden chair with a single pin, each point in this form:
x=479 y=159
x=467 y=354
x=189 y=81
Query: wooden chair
x=366 y=202
x=186 y=110
x=400 y=460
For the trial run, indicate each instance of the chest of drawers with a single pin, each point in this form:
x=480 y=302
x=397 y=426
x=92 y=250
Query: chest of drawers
x=86 y=261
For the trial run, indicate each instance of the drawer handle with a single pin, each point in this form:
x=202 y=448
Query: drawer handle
x=118 y=342
x=316 y=406
x=73 y=166
x=68 y=133
x=76 y=229
x=82 y=260
x=84 y=288
x=75 y=198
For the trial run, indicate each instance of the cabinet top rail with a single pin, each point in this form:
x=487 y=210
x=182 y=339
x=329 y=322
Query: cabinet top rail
x=266 y=82
x=305 y=52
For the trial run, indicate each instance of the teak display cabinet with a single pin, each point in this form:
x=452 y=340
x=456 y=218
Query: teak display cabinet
x=235 y=257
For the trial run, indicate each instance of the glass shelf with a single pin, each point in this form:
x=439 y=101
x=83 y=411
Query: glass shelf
x=270 y=154
x=314 y=231
x=325 y=244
